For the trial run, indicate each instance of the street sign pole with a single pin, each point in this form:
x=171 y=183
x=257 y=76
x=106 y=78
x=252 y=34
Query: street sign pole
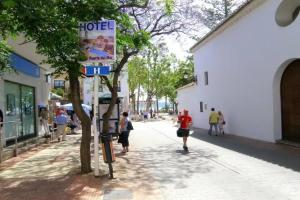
x=96 y=136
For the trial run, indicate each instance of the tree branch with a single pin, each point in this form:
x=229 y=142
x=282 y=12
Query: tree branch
x=108 y=84
x=157 y=21
x=134 y=5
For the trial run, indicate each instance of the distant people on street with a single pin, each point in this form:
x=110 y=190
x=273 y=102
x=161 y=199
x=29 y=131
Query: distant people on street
x=57 y=111
x=123 y=137
x=145 y=114
x=151 y=113
x=44 y=120
x=61 y=121
x=213 y=122
x=185 y=121
x=73 y=124
x=221 y=122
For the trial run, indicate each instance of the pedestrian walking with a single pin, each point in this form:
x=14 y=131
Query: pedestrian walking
x=44 y=120
x=145 y=113
x=185 y=121
x=221 y=122
x=124 y=130
x=61 y=121
x=213 y=122
x=73 y=123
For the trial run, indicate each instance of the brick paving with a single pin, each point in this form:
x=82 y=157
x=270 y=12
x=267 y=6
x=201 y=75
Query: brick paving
x=53 y=172
x=156 y=168
x=48 y=172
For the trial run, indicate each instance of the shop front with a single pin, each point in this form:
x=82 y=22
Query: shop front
x=19 y=110
x=20 y=94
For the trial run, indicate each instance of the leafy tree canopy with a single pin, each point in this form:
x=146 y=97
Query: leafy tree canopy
x=4 y=56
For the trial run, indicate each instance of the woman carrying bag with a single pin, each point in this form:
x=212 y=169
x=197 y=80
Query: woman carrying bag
x=184 y=130
x=125 y=128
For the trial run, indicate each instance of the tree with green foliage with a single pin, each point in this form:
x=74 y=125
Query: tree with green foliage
x=184 y=72
x=58 y=91
x=53 y=26
x=137 y=74
x=5 y=52
x=156 y=67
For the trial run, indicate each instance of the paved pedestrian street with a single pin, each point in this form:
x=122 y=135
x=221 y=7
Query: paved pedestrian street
x=213 y=171
x=156 y=168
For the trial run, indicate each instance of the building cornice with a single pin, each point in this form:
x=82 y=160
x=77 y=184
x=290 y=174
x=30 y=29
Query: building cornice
x=242 y=11
x=186 y=86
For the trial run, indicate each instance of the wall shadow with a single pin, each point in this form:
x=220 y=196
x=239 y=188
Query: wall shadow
x=278 y=154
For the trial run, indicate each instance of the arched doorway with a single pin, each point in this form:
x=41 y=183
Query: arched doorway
x=290 y=102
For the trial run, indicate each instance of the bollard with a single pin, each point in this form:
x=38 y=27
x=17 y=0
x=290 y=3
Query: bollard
x=107 y=148
x=16 y=140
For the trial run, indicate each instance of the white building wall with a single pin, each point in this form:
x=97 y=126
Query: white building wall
x=245 y=63
x=187 y=100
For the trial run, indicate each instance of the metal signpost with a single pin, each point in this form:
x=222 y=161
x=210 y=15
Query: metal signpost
x=96 y=138
x=98 y=43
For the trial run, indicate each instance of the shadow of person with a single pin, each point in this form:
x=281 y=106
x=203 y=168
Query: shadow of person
x=182 y=152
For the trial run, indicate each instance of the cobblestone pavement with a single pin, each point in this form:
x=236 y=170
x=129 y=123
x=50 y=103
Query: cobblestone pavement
x=156 y=168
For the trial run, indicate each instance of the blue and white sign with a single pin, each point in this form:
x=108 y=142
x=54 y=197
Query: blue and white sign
x=98 y=40
x=96 y=70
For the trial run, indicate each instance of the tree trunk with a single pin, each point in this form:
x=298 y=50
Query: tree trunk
x=138 y=99
x=114 y=92
x=225 y=8
x=166 y=103
x=157 y=107
x=132 y=97
x=85 y=154
x=173 y=106
x=114 y=97
x=133 y=103
x=148 y=102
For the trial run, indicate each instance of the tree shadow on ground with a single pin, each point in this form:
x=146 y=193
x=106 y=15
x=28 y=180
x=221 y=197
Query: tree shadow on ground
x=69 y=187
x=164 y=164
x=282 y=155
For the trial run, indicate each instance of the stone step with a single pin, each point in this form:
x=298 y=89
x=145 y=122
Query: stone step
x=290 y=143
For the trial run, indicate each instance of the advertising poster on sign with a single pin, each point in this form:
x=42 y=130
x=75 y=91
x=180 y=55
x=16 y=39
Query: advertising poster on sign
x=98 y=40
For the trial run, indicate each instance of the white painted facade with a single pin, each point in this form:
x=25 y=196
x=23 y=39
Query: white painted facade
x=39 y=84
x=245 y=58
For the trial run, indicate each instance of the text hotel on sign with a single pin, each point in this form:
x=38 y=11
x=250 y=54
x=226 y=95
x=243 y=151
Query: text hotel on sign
x=100 y=26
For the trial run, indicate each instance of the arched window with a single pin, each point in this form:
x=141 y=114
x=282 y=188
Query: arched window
x=287 y=12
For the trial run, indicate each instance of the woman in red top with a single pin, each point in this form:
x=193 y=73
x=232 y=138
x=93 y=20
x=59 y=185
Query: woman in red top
x=185 y=123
